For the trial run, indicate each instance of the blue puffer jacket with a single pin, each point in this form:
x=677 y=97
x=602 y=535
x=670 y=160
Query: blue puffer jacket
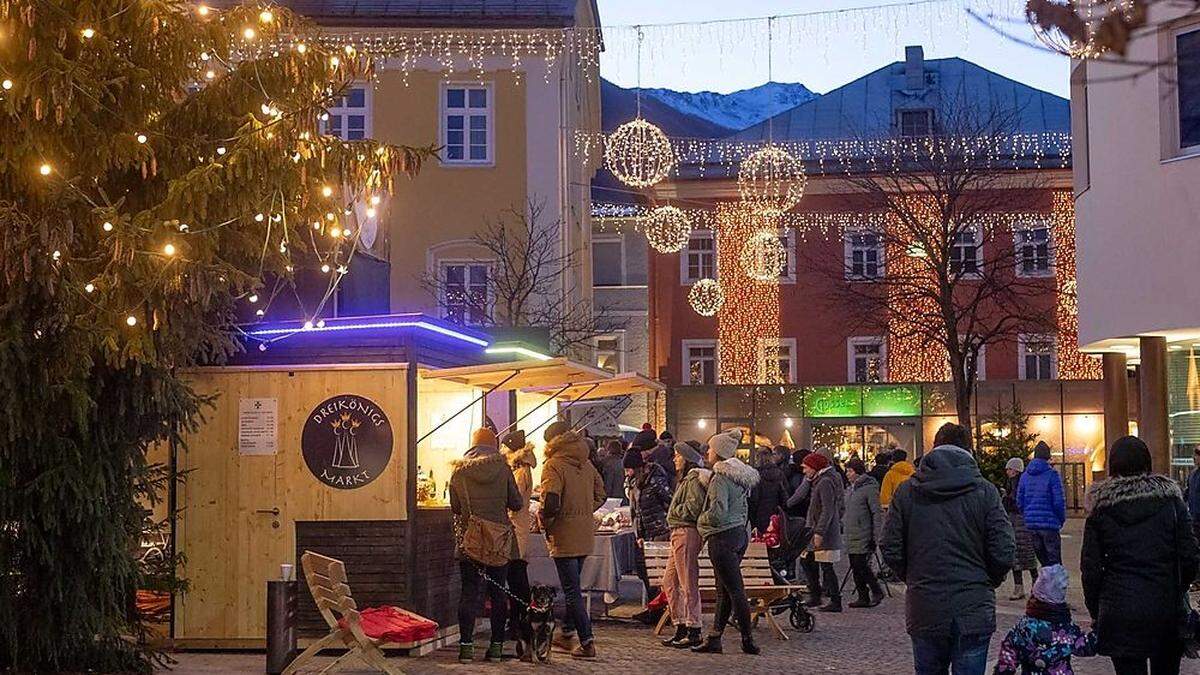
x=1040 y=497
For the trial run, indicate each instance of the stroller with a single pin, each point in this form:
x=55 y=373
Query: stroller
x=788 y=539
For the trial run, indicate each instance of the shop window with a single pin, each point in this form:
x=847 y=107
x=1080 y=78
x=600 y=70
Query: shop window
x=864 y=255
x=915 y=122
x=608 y=261
x=964 y=253
x=867 y=359
x=467 y=114
x=610 y=353
x=699 y=259
x=699 y=362
x=466 y=294
x=1034 y=254
x=777 y=360
x=349 y=116
x=1037 y=357
x=1187 y=54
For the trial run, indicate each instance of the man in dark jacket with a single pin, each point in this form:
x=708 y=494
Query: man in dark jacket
x=771 y=493
x=663 y=454
x=1040 y=498
x=947 y=537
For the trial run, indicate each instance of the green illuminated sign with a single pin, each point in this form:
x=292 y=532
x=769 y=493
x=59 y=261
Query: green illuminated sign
x=832 y=402
x=897 y=400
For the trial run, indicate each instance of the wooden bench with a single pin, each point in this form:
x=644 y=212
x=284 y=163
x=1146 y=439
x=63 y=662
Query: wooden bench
x=326 y=579
x=761 y=589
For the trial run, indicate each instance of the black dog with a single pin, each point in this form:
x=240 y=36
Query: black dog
x=537 y=628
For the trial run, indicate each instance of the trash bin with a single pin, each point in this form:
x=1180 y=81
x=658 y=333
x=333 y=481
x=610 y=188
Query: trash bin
x=281 y=624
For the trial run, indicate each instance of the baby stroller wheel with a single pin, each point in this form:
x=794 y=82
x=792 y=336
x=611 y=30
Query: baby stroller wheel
x=801 y=619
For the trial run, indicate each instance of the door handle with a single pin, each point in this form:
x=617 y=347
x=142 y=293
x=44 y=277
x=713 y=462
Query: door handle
x=274 y=511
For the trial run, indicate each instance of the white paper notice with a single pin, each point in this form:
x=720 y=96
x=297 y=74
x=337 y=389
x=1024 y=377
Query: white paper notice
x=258 y=426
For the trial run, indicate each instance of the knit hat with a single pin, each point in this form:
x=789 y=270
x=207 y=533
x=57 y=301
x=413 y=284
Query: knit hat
x=726 y=443
x=633 y=459
x=1051 y=584
x=484 y=436
x=857 y=464
x=515 y=440
x=1015 y=464
x=688 y=453
x=666 y=436
x=827 y=453
x=1041 y=450
x=644 y=440
x=816 y=461
x=556 y=429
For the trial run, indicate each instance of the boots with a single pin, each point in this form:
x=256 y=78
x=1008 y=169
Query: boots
x=681 y=632
x=863 y=600
x=710 y=645
x=814 y=600
x=495 y=652
x=876 y=596
x=693 y=639
x=835 y=604
x=466 y=652
x=748 y=645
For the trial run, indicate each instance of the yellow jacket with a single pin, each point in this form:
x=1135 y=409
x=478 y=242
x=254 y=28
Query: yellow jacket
x=900 y=472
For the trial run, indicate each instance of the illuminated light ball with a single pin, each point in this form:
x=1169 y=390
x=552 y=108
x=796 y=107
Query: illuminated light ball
x=771 y=181
x=7 y=84
x=249 y=33
x=131 y=320
x=141 y=138
x=335 y=232
x=45 y=169
x=183 y=227
x=262 y=346
x=282 y=247
x=302 y=48
x=204 y=56
x=107 y=226
x=316 y=225
x=89 y=287
x=325 y=268
x=253 y=297
x=668 y=229
x=326 y=191
x=266 y=16
x=639 y=154
x=88 y=33
x=763 y=256
x=57 y=255
x=169 y=249
x=706 y=297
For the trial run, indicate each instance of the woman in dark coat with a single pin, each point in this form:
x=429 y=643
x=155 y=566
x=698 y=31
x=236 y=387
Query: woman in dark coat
x=772 y=492
x=1139 y=557
x=1026 y=558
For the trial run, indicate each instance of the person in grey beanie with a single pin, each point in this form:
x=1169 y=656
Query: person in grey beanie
x=1026 y=558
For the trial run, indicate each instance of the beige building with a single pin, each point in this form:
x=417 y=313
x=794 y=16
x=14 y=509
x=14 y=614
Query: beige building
x=1137 y=185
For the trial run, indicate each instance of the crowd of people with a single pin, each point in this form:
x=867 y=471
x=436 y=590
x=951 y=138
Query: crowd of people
x=937 y=525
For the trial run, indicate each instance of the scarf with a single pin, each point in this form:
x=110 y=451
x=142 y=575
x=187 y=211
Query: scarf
x=1052 y=613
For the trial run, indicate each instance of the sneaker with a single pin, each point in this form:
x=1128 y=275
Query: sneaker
x=564 y=642
x=681 y=632
x=466 y=653
x=495 y=652
x=587 y=651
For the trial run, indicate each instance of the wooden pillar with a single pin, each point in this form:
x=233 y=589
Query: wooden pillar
x=1152 y=415
x=1116 y=400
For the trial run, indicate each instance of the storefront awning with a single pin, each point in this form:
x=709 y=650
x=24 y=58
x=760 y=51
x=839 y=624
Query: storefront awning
x=551 y=375
x=624 y=384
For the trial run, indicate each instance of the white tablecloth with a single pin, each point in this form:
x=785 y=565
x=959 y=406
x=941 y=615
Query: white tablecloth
x=613 y=555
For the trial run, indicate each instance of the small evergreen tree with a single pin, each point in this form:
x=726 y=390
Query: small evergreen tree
x=1007 y=436
x=161 y=166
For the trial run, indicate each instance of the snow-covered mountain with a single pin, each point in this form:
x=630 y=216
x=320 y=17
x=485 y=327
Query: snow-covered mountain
x=739 y=109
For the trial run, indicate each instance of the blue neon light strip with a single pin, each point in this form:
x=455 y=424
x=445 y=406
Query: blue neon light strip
x=425 y=325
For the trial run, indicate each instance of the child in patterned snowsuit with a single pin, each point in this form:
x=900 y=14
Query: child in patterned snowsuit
x=1045 y=639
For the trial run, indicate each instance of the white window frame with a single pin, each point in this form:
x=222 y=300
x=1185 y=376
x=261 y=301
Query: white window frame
x=688 y=345
x=619 y=352
x=1020 y=249
x=787 y=237
x=609 y=239
x=764 y=365
x=862 y=340
x=929 y=118
x=1179 y=149
x=978 y=231
x=1023 y=340
x=442 y=264
x=848 y=249
x=444 y=110
x=343 y=111
x=685 y=279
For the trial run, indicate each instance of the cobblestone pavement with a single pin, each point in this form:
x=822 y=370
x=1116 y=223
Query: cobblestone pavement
x=869 y=641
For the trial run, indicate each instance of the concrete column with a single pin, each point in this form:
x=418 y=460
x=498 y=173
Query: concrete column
x=1152 y=416
x=1116 y=399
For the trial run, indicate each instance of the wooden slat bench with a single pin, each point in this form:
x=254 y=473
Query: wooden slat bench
x=761 y=589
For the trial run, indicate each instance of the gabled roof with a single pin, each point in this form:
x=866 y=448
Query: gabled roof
x=865 y=108
x=439 y=13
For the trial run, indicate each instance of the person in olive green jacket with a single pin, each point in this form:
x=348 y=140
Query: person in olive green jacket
x=571 y=492
x=723 y=525
x=482 y=485
x=681 y=579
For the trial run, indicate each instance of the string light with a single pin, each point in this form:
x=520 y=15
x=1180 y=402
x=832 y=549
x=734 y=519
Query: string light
x=88 y=33
x=7 y=84
x=764 y=257
x=639 y=154
x=326 y=191
x=45 y=169
x=771 y=181
x=107 y=226
x=668 y=229
x=748 y=327
x=266 y=16
x=253 y=297
x=131 y=320
x=89 y=287
x=141 y=138
x=169 y=249
x=249 y=33
x=203 y=10
x=1072 y=363
x=706 y=297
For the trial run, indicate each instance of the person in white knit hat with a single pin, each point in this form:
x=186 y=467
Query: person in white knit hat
x=1026 y=558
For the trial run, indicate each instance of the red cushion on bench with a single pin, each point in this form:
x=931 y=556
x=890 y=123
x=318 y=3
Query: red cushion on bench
x=389 y=624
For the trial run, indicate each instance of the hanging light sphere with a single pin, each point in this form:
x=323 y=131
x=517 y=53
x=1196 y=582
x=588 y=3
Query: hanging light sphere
x=706 y=297
x=668 y=229
x=1058 y=42
x=771 y=181
x=639 y=154
x=763 y=257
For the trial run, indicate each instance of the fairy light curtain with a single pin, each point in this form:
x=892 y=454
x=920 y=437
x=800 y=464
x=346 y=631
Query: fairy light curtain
x=748 y=326
x=1072 y=363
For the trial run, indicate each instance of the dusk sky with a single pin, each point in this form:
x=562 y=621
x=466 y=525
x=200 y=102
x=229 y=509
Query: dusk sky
x=821 y=52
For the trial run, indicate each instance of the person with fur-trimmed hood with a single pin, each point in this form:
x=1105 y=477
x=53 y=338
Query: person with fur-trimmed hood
x=681 y=580
x=571 y=492
x=1139 y=557
x=722 y=525
x=482 y=485
x=522 y=460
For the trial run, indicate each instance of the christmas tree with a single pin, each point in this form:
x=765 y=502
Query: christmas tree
x=162 y=172
x=1005 y=435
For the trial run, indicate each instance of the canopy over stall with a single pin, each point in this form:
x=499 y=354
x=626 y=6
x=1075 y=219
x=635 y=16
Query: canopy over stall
x=598 y=404
x=546 y=374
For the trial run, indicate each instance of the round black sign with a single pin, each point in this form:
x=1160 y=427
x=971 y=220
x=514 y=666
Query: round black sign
x=347 y=441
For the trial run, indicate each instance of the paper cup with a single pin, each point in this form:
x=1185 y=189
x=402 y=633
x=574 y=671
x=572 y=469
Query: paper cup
x=287 y=572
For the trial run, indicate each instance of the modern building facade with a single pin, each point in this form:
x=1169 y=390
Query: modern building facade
x=1137 y=170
